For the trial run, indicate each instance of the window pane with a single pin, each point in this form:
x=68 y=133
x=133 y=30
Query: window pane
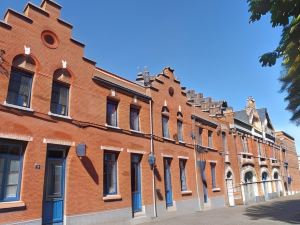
x=213 y=174
x=134 y=119
x=209 y=138
x=110 y=174
x=179 y=130
x=182 y=175
x=59 y=99
x=111 y=117
x=199 y=139
x=165 y=124
x=2 y=161
x=19 y=88
x=11 y=191
x=54 y=179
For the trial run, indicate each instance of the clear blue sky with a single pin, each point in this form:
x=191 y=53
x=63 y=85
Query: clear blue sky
x=210 y=44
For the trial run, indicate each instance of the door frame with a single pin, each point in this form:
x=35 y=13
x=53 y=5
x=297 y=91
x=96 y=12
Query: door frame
x=139 y=156
x=167 y=160
x=64 y=150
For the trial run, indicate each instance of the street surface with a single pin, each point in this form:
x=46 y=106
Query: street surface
x=284 y=210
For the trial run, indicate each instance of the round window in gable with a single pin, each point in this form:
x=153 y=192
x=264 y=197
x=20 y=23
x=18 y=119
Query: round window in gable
x=171 y=91
x=49 y=39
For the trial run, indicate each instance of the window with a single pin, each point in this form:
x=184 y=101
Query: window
x=111 y=113
x=179 y=130
x=244 y=143
x=213 y=175
x=165 y=126
x=259 y=149
x=199 y=136
x=59 y=99
x=224 y=141
x=134 y=119
x=10 y=171
x=182 y=163
x=19 y=88
x=210 y=141
x=110 y=173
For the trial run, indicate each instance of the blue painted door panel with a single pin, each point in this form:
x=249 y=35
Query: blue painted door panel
x=168 y=183
x=53 y=206
x=136 y=183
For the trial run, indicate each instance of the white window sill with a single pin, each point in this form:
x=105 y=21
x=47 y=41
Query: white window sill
x=137 y=131
x=59 y=116
x=188 y=192
x=112 y=197
x=113 y=127
x=168 y=139
x=182 y=142
x=216 y=189
x=9 y=205
x=18 y=107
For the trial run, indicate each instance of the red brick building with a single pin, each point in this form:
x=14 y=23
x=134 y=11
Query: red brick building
x=81 y=145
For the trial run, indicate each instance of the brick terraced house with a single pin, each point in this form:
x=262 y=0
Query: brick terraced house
x=81 y=145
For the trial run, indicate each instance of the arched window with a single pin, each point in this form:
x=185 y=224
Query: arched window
x=249 y=177
x=264 y=176
x=60 y=92
x=180 y=126
x=165 y=122
x=276 y=175
x=20 y=81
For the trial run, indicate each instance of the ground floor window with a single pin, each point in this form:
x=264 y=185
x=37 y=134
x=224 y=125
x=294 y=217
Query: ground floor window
x=110 y=173
x=10 y=171
x=182 y=163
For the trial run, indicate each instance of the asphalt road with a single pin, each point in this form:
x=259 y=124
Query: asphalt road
x=284 y=210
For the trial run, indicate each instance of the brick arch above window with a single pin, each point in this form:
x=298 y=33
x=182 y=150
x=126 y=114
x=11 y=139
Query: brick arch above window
x=63 y=75
x=26 y=62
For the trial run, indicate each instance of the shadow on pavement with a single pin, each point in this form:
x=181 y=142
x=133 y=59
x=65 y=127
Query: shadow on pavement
x=285 y=211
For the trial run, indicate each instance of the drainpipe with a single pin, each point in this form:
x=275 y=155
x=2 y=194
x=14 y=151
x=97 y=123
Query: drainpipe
x=152 y=152
x=195 y=156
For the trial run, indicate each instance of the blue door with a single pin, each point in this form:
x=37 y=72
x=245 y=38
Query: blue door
x=168 y=182
x=53 y=204
x=136 y=183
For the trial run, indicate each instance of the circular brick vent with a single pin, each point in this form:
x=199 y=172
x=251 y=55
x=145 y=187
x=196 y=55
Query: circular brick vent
x=49 y=39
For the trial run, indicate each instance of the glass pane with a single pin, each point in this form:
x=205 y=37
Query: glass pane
x=165 y=121
x=13 y=178
x=111 y=116
x=179 y=130
x=57 y=179
x=14 y=165
x=11 y=191
x=134 y=119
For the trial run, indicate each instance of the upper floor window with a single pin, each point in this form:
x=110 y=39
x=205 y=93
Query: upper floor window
x=179 y=130
x=59 y=99
x=199 y=136
x=224 y=141
x=244 y=143
x=134 y=119
x=259 y=149
x=210 y=138
x=111 y=113
x=165 y=126
x=110 y=173
x=10 y=171
x=19 y=88
x=182 y=163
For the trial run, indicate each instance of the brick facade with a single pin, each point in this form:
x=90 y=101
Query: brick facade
x=40 y=44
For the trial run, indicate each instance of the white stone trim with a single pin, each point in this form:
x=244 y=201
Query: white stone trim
x=136 y=151
x=58 y=142
x=182 y=157
x=166 y=155
x=18 y=107
x=16 y=137
x=212 y=161
x=111 y=148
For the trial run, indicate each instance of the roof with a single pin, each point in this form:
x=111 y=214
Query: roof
x=242 y=116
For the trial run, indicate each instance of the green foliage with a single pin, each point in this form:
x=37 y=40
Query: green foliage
x=286 y=14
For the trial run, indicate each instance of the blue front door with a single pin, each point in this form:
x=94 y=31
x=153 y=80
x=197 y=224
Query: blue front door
x=53 y=205
x=136 y=183
x=168 y=182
